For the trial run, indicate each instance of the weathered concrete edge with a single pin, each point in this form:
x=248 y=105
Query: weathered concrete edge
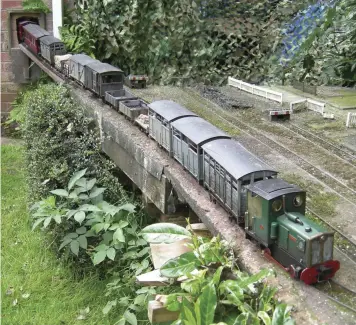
x=131 y=152
x=217 y=221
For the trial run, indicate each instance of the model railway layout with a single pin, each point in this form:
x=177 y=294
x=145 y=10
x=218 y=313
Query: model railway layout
x=271 y=211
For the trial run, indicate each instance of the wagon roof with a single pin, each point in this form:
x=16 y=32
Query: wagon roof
x=271 y=188
x=170 y=110
x=35 y=30
x=101 y=67
x=235 y=158
x=48 y=40
x=198 y=130
x=82 y=59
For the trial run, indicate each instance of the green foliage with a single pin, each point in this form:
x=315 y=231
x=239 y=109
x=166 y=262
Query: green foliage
x=214 y=289
x=175 y=41
x=104 y=227
x=331 y=50
x=35 y=5
x=60 y=139
x=164 y=233
x=103 y=231
x=44 y=289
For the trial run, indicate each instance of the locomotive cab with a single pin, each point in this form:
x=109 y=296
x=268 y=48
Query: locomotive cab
x=276 y=219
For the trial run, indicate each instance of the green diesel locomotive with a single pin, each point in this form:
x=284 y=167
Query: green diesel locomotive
x=276 y=218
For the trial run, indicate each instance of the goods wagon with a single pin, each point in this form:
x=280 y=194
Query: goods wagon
x=188 y=136
x=102 y=77
x=51 y=46
x=161 y=114
x=32 y=34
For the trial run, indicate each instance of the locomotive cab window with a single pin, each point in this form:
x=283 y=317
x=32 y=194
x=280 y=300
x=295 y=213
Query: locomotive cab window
x=277 y=205
x=298 y=200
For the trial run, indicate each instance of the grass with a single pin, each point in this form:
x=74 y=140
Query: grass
x=347 y=101
x=30 y=267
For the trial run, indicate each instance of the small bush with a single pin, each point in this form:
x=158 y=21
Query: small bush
x=60 y=139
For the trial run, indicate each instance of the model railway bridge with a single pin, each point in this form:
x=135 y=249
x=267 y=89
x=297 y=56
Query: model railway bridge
x=163 y=182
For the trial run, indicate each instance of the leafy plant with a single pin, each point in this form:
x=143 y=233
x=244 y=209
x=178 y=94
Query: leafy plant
x=214 y=289
x=35 y=5
x=108 y=227
x=60 y=139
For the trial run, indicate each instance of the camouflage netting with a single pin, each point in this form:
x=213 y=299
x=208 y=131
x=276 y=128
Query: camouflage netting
x=183 y=41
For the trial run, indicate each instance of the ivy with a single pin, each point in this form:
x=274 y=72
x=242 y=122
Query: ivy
x=35 y=5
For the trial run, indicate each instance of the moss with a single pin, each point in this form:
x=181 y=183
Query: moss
x=343 y=100
x=318 y=200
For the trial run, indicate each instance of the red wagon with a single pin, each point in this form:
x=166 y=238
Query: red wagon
x=31 y=35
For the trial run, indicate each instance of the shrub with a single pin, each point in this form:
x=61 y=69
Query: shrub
x=60 y=139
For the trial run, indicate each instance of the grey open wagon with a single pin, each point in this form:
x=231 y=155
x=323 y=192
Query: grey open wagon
x=77 y=63
x=228 y=169
x=114 y=97
x=188 y=135
x=102 y=77
x=161 y=114
x=133 y=108
x=51 y=46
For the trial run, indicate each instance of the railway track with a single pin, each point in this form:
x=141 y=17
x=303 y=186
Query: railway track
x=338 y=293
x=351 y=251
x=340 y=152
x=334 y=184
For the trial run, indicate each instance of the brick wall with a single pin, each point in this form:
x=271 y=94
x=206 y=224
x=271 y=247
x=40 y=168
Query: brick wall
x=10 y=82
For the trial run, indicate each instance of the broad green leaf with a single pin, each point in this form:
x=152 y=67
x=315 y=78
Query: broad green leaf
x=190 y=319
x=71 y=235
x=65 y=243
x=110 y=253
x=217 y=275
x=79 y=216
x=57 y=218
x=74 y=247
x=123 y=224
x=83 y=242
x=76 y=177
x=130 y=318
x=83 y=196
x=118 y=236
x=46 y=222
x=108 y=306
x=207 y=304
x=233 y=291
x=81 y=230
x=127 y=207
x=180 y=265
x=121 y=321
x=89 y=207
x=37 y=222
x=60 y=192
x=96 y=191
x=164 y=233
x=281 y=315
x=98 y=227
x=99 y=257
x=264 y=317
x=90 y=184
x=73 y=195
